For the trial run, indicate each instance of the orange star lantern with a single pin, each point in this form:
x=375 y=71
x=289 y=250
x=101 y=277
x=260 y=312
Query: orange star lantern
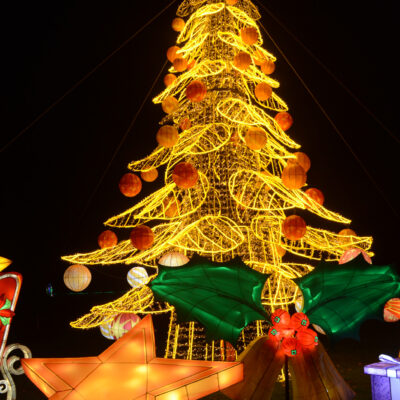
x=128 y=370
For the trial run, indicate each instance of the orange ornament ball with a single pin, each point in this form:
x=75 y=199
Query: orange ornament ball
x=299 y=321
x=130 y=185
x=107 y=239
x=255 y=138
x=171 y=53
x=167 y=136
x=180 y=64
x=284 y=120
x=77 y=277
x=185 y=175
x=347 y=232
x=302 y=159
x=249 y=35
x=142 y=237
x=231 y=2
x=307 y=338
x=262 y=91
x=294 y=176
x=149 y=176
x=170 y=104
x=169 y=79
x=280 y=318
x=294 y=227
x=185 y=124
x=268 y=67
x=290 y=346
x=178 y=24
x=196 y=91
x=242 y=60
x=171 y=207
x=316 y=195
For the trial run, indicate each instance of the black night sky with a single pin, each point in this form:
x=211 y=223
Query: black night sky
x=49 y=203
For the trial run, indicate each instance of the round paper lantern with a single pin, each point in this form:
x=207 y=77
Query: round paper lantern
x=137 y=276
x=294 y=227
x=171 y=207
x=170 y=104
x=294 y=176
x=185 y=175
x=77 y=277
x=307 y=337
x=274 y=333
x=130 y=185
x=268 y=67
x=231 y=2
x=169 y=79
x=391 y=312
x=351 y=254
x=142 y=237
x=255 y=138
x=347 y=232
x=105 y=330
x=258 y=57
x=298 y=321
x=284 y=120
x=249 y=35
x=262 y=91
x=280 y=318
x=149 y=176
x=302 y=159
x=290 y=346
x=167 y=136
x=316 y=195
x=173 y=259
x=196 y=91
x=107 y=239
x=185 y=124
x=171 y=53
x=242 y=60
x=180 y=64
x=178 y=24
x=123 y=323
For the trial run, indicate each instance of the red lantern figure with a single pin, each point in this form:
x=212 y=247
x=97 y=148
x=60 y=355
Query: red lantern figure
x=280 y=318
x=284 y=120
x=142 y=237
x=294 y=227
x=351 y=254
x=268 y=67
x=302 y=159
x=178 y=24
x=169 y=79
x=167 y=136
x=185 y=124
x=196 y=91
x=242 y=60
x=274 y=333
x=249 y=35
x=391 y=312
x=180 y=64
x=171 y=53
x=150 y=175
x=299 y=321
x=107 y=239
x=262 y=91
x=307 y=337
x=170 y=104
x=290 y=346
x=185 y=175
x=294 y=176
x=316 y=195
x=130 y=185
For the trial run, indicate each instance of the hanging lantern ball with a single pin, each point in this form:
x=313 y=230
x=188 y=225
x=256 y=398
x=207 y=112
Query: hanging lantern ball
x=231 y=2
x=180 y=64
x=150 y=175
x=171 y=53
x=123 y=323
x=105 y=330
x=169 y=79
x=171 y=207
x=137 y=276
x=391 y=312
x=294 y=227
x=185 y=175
x=280 y=318
x=316 y=195
x=185 y=124
x=170 y=104
x=178 y=24
x=249 y=35
x=307 y=338
x=77 y=277
x=242 y=60
x=302 y=159
x=255 y=138
x=173 y=259
x=196 y=91
x=347 y=232
x=290 y=346
x=284 y=120
x=299 y=321
x=268 y=67
x=130 y=185
x=107 y=239
x=167 y=136
x=262 y=91
x=258 y=57
x=293 y=176
x=142 y=237
x=351 y=254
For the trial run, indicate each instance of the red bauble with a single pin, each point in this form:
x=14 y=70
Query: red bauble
x=294 y=227
x=299 y=321
x=284 y=120
x=290 y=346
x=142 y=237
x=280 y=318
x=316 y=195
x=196 y=91
x=107 y=239
x=185 y=175
x=307 y=337
x=130 y=185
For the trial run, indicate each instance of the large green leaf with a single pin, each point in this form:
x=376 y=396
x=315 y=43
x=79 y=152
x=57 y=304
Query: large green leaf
x=223 y=297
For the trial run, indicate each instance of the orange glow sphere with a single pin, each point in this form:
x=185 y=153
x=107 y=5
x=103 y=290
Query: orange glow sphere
x=107 y=239
x=280 y=318
x=167 y=136
x=262 y=91
x=142 y=237
x=290 y=346
x=130 y=185
x=171 y=207
x=170 y=104
x=307 y=338
x=178 y=24
x=316 y=195
x=293 y=176
x=185 y=124
x=249 y=35
x=298 y=321
x=302 y=159
x=391 y=311
x=284 y=120
x=171 y=53
x=347 y=232
x=231 y=2
x=294 y=227
x=180 y=64
x=77 y=277
x=242 y=60
x=255 y=138
x=268 y=67
x=149 y=176
x=169 y=79
x=185 y=175
x=196 y=91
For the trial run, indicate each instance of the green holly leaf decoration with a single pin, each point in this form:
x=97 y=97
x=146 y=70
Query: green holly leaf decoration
x=5 y=313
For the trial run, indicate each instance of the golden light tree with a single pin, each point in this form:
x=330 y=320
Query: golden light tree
x=233 y=177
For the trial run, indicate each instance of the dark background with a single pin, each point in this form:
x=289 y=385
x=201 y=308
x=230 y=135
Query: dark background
x=49 y=203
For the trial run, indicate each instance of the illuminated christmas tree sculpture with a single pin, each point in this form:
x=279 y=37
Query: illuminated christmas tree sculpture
x=233 y=177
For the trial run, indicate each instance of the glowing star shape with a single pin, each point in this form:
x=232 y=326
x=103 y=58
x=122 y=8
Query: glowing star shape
x=130 y=370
